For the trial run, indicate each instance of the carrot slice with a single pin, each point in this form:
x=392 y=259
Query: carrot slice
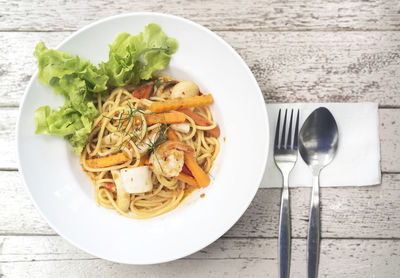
x=165 y=118
x=187 y=179
x=181 y=103
x=142 y=92
x=142 y=161
x=199 y=120
x=107 y=161
x=162 y=118
x=172 y=135
x=201 y=177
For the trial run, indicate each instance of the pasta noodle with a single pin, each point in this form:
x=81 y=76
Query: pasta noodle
x=116 y=130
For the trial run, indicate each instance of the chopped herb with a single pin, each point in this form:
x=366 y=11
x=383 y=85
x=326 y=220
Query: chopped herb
x=136 y=116
x=158 y=84
x=161 y=138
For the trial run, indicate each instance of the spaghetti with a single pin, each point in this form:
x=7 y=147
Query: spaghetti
x=127 y=134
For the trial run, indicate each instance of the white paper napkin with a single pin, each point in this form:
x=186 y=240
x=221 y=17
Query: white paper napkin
x=357 y=162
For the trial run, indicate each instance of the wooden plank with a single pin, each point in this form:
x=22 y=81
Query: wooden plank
x=323 y=66
x=227 y=257
x=28 y=248
x=8 y=120
x=17 y=64
x=20 y=215
x=253 y=15
x=354 y=212
x=289 y=66
x=389 y=133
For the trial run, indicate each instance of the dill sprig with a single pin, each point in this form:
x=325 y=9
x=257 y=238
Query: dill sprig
x=136 y=116
x=161 y=138
x=158 y=84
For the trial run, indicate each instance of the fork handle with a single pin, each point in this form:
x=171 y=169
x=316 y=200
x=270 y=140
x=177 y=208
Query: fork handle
x=313 y=238
x=284 y=235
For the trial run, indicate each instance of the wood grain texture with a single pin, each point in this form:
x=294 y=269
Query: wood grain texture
x=389 y=135
x=17 y=64
x=323 y=67
x=7 y=138
x=272 y=15
x=355 y=212
x=227 y=257
x=289 y=66
x=21 y=216
x=299 y=51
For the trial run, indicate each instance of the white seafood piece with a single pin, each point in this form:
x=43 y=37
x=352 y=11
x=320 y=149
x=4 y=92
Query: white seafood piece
x=185 y=89
x=133 y=180
x=182 y=127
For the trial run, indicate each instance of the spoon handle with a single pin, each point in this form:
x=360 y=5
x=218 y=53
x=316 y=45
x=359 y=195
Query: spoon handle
x=313 y=238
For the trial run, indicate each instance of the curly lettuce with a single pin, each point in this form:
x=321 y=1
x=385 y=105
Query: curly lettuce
x=76 y=80
x=135 y=58
x=131 y=59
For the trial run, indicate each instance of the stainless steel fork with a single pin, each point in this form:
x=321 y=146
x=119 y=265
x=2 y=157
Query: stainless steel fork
x=285 y=155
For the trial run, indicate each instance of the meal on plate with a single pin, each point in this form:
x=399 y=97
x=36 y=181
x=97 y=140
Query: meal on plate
x=146 y=141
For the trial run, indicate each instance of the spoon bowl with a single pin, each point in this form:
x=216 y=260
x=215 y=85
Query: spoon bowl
x=318 y=140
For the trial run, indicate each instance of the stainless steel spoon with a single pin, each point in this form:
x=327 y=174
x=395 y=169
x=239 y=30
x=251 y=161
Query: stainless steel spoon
x=318 y=142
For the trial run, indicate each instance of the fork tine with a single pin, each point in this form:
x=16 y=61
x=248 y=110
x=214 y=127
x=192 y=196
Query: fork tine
x=296 y=131
x=278 y=123
x=289 y=136
x=283 y=137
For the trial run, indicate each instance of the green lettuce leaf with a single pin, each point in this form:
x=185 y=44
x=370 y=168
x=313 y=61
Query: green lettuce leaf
x=133 y=58
x=66 y=122
x=77 y=81
x=54 y=65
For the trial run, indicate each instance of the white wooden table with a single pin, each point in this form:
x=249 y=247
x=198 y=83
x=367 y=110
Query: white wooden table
x=322 y=50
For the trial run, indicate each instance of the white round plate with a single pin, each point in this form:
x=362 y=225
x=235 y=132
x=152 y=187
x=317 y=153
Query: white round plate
x=64 y=194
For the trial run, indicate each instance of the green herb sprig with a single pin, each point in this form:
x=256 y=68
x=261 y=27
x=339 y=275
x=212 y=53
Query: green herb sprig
x=131 y=115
